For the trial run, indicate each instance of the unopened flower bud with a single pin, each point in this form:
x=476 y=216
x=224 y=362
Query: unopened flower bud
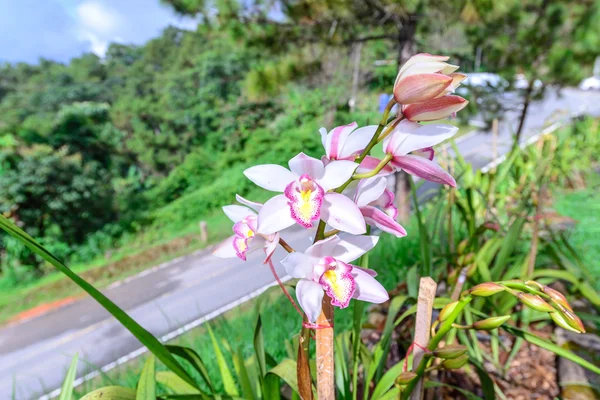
x=455 y=363
x=490 y=323
x=447 y=310
x=405 y=377
x=557 y=296
x=560 y=320
x=573 y=320
x=450 y=351
x=435 y=109
x=535 y=302
x=486 y=289
x=471 y=269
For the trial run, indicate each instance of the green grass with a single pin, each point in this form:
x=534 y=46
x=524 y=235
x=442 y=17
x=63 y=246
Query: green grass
x=584 y=207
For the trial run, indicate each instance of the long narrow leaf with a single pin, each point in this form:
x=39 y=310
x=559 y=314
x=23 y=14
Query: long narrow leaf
x=145 y=337
x=226 y=376
x=508 y=245
x=66 y=392
x=175 y=383
x=146 y=388
x=111 y=393
x=194 y=359
x=538 y=341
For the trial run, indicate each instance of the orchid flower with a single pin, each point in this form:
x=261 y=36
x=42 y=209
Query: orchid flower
x=411 y=137
x=245 y=238
x=346 y=143
x=424 y=77
x=376 y=203
x=324 y=267
x=305 y=197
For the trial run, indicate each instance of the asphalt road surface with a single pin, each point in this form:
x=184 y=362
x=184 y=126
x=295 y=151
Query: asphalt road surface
x=35 y=354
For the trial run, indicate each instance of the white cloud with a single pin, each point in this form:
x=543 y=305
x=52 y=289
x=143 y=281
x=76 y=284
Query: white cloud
x=99 y=25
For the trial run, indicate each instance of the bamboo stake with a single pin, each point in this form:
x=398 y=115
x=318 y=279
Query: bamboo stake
x=325 y=347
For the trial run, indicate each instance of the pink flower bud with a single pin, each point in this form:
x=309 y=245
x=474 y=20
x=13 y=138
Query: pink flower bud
x=435 y=109
x=560 y=320
x=535 y=302
x=486 y=289
x=420 y=87
x=489 y=324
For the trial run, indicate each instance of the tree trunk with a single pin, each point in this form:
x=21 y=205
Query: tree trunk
x=526 y=103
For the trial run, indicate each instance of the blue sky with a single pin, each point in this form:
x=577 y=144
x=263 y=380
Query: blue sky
x=62 y=29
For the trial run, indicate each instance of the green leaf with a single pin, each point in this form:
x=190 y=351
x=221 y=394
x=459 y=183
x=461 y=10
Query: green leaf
x=259 y=346
x=556 y=349
x=145 y=337
x=383 y=347
x=226 y=376
x=175 y=383
x=487 y=384
x=387 y=380
x=244 y=376
x=508 y=245
x=66 y=392
x=194 y=359
x=146 y=387
x=111 y=393
x=468 y=395
x=286 y=370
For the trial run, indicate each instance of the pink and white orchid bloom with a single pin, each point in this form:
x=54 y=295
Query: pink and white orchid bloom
x=346 y=142
x=423 y=77
x=411 y=137
x=325 y=267
x=245 y=238
x=376 y=203
x=305 y=197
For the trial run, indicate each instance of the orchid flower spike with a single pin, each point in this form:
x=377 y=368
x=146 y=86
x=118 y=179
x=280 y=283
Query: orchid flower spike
x=424 y=77
x=346 y=142
x=245 y=238
x=376 y=203
x=305 y=197
x=324 y=267
x=411 y=137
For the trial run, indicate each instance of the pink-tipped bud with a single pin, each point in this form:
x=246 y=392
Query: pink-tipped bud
x=573 y=320
x=557 y=296
x=450 y=351
x=435 y=109
x=489 y=324
x=560 y=320
x=405 y=378
x=456 y=363
x=420 y=87
x=486 y=289
x=535 y=302
x=447 y=310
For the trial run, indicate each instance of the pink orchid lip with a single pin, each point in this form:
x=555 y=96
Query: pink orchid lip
x=305 y=200
x=337 y=281
x=244 y=231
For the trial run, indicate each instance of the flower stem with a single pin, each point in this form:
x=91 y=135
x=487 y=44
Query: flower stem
x=376 y=170
x=286 y=246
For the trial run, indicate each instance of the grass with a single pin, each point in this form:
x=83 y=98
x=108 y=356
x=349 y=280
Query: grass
x=584 y=207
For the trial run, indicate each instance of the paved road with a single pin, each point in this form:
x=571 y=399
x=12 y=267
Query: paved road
x=35 y=354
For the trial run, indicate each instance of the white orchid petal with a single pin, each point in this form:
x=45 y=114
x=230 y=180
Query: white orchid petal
x=369 y=190
x=298 y=265
x=323 y=248
x=237 y=213
x=303 y=164
x=399 y=135
x=357 y=141
x=251 y=204
x=336 y=174
x=310 y=296
x=323 y=133
x=341 y=213
x=367 y=288
x=336 y=139
x=225 y=249
x=350 y=248
x=270 y=176
x=275 y=215
x=424 y=137
x=423 y=168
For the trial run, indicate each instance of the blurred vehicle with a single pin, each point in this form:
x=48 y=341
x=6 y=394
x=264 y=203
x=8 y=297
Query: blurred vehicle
x=486 y=81
x=522 y=83
x=591 y=83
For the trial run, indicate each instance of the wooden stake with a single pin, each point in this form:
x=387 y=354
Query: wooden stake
x=325 y=348
x=427 y=288
x=203 y=232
